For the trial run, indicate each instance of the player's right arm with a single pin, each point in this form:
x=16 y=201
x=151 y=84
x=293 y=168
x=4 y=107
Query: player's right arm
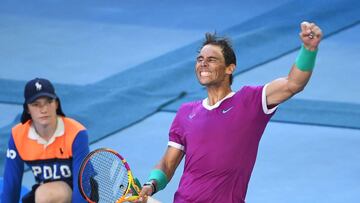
x=170 y=161
x=284 y=88
x=165 y=168
x=14 y=168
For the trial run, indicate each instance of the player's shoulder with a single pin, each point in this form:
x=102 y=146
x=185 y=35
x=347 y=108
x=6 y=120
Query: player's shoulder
x=190 y=105
x=249 y=89
x=73 y=130
x=19 y=129
x=73 y=124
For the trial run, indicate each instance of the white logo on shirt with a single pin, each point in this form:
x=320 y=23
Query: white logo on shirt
x=191 y=116
x=52 y=172
x=38 y=86
x=10 y=153
x=227 y=110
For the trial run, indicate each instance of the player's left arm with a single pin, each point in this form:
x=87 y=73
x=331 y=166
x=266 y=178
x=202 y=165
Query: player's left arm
x=284 y=88
x=80 y=149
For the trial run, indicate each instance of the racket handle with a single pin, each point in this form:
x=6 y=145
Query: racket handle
x=149 y=198
x=138 y=184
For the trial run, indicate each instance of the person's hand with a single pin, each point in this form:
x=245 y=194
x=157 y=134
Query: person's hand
x=311 y=35
x=146 y=191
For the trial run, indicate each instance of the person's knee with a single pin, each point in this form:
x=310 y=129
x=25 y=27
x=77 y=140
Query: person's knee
x=57 y=191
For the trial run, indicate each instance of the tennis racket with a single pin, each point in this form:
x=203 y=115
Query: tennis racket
x=105 y=176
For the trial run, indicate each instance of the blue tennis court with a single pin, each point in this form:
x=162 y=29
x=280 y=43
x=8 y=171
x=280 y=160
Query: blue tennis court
x=122 y=68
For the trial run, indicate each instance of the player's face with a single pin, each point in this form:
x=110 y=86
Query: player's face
x=210 y=67
x=43 y=111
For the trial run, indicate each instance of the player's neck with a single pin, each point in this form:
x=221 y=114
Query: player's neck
x=46 y=131
x=217 y=94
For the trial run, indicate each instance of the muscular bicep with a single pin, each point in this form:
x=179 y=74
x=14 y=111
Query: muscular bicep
x=170 y=161
x=282 y=89
x=277 y=92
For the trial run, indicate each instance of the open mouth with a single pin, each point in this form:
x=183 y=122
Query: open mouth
x=204 y=73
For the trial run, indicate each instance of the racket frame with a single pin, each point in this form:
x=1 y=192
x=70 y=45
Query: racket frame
x=131 y=182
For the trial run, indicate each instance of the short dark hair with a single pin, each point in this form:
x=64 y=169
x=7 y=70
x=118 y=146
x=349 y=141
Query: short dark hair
x=226 y=47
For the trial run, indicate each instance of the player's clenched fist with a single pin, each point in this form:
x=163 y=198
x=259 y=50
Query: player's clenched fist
x=311 y=35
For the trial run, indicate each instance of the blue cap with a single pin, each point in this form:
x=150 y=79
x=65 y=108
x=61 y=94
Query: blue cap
x=38 y=87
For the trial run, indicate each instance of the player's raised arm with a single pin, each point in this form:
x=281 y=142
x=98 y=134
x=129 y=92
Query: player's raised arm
x=282 y=89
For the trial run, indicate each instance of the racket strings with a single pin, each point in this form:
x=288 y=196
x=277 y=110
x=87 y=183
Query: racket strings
x=105 y=176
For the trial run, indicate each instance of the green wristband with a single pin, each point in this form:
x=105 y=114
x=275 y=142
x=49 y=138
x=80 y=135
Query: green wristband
x=160 y=177
x=305 y=61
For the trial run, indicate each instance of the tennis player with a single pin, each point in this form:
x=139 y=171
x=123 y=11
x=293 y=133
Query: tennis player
x=50 y=144
x=219 y=136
